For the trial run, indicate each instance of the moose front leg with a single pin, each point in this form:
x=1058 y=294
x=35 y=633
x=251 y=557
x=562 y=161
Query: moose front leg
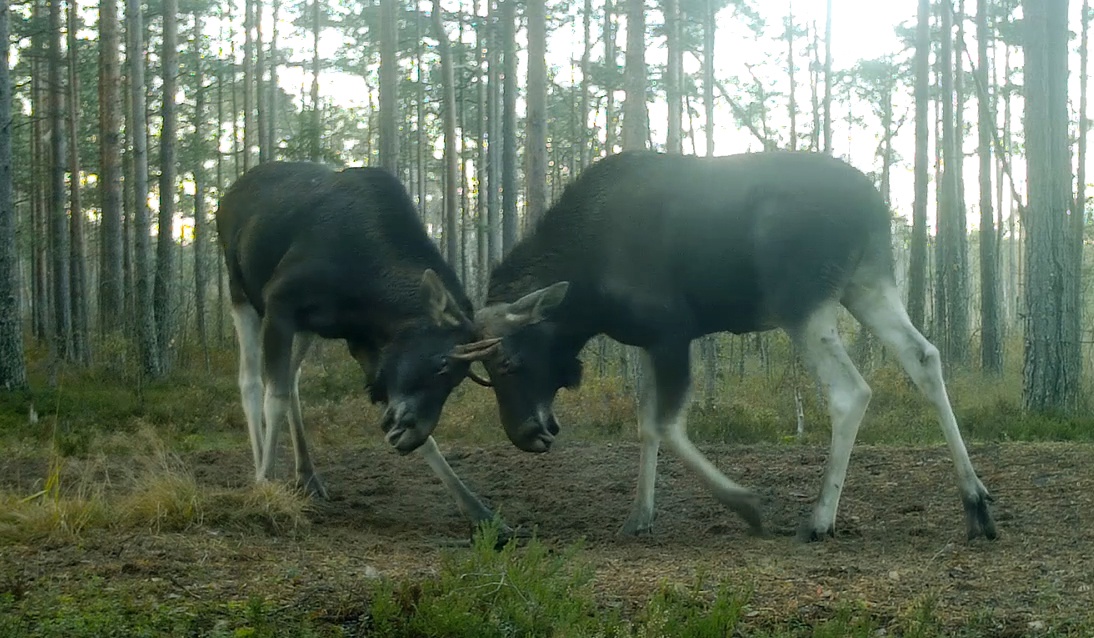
x=466 y=500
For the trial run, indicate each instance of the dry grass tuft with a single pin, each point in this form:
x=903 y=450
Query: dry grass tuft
x=159 y=494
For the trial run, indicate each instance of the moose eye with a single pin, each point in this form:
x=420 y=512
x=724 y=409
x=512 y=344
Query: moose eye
x=507 y=366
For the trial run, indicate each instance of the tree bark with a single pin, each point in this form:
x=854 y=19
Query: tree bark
x=315 y=139
x=991 y=347
x=58 y=217
x=636 y=127
x=482 y=234
x=13 y=364
x=535 y=149
x=509 y=223
x=248 y=82
x=142 y=254
x=165 y=239
x=790 y=67
x=585 y=154
x=493 y=136
x=674 y=142
x=111 y=278
x=451 y=160
x=1078 y=213
x=917 y=263
x=201 y=242
x=951 y=311
x=77 y=243
x=828 y=79
x=260 y=85
x=611 y=63
x=389 y=87
x=708 y=74
x=272 y=140
x=1052 y=351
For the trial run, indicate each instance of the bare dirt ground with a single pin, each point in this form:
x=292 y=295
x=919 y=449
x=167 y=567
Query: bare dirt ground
x=901 y=530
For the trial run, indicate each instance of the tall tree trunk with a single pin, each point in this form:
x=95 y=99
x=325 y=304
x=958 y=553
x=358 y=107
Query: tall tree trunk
x=816 y=136
x=1078 y=213
x=481 y=163
x=77 y=243
x=790 y=67
x=917 y=263
x=584 y=154
x=248 y=83
x=221 y=328
x=451 y=159
x=459 y=61
x=673 y=68
x=952 y=310
x=260 y=86
x=493 y=136
x=389 y=87
x=991 y=347
x=129 y=282
x=509 y=126
x=1052 y=355
x=142 y=254
x=165 y=240
x=13 y=364
x=111 y=279
x=887 y=142
x=535 y=148
x=272 y=139
x=611 y=62
x=636 y=128
x=708 y=74
x=201 y=279
x=40 y=290
x=828 y=80
x=316 y=137
x=59 y=232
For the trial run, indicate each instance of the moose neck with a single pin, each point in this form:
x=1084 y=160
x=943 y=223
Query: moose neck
x=539 y=261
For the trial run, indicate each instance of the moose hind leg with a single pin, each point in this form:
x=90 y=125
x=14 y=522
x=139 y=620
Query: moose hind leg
x=277 y=340
x=306 y=478
x=880 y=309
x=671 y=372
x=848 y=396
x=640 y=520
x=248 y=326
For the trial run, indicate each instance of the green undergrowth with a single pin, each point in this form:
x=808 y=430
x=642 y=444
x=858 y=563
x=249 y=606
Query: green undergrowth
x=528 y=590
x=751 y=399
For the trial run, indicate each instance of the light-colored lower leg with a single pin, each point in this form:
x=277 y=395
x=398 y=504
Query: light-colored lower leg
x=734 y=496
x=276 y=410
x=306 y=478
x=848 y=397
x=880 y=309
x=640 y=520
x=466 y=500
x=248 y=326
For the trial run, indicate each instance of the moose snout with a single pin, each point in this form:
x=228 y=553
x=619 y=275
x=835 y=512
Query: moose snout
x=536 y=434
x=401 y=429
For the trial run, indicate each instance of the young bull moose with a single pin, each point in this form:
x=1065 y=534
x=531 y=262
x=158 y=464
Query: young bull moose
x=342 y=255
x=656 y=250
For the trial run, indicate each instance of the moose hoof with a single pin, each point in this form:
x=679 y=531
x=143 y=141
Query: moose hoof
x=637 y=525
x=978 y=519
x=810 y=533
x=313 y=487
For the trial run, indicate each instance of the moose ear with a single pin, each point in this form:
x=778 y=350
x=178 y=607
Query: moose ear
x=439 y=303
x=533 y=307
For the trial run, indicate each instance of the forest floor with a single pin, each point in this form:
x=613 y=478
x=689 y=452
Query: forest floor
x=900 y=547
